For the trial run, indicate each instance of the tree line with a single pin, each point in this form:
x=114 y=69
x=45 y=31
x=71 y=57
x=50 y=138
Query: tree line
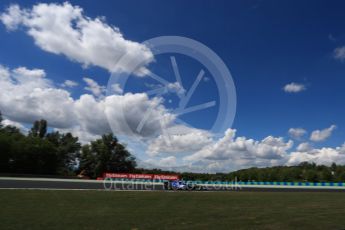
x=304 y=172
x=55 y=153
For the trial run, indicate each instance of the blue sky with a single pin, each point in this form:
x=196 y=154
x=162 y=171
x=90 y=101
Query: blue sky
x=265 y=44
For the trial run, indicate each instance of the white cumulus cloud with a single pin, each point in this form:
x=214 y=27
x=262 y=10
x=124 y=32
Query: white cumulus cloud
x=4 y=73
x=32 y=73
x=94 y=87
x=323 y=156
x=116 y=89
x=304 y=147
x=179 y=139
x=166 y=162
x=25 y=98
x=69 y=84
x=297 y=133
x=321 y=135
x=294 y=87
x=63 y=29
x=339 y=53
x=230 y=152
x=13 y=17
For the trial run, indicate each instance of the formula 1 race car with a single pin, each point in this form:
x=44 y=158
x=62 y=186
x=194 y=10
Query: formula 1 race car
x=180 y=185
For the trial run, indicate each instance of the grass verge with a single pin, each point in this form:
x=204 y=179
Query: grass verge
x=34 y=209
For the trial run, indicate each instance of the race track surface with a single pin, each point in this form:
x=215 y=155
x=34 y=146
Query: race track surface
x=78 y=184
x=42 y=183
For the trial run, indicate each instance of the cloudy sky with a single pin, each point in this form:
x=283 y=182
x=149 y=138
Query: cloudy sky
x=287 y=62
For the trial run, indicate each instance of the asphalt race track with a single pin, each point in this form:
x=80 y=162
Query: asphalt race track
x=76 y=184
x=42 y=183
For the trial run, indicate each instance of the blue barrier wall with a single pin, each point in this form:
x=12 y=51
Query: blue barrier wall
x=335 y=184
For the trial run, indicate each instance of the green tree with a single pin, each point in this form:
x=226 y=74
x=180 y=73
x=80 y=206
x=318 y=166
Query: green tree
x=87 y=161
x=39 y=129
x=67 y=150
x=34 y=155
x=9 y=138
x=106 y=155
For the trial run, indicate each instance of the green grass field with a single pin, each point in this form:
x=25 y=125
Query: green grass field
x=23 y=209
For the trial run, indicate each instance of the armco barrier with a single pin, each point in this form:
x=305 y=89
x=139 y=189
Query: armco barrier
x=337 y=184
x=247 y=183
